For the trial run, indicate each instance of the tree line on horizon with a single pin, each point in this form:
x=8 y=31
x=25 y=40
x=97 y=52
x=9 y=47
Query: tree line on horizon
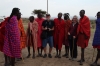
x=36 y=11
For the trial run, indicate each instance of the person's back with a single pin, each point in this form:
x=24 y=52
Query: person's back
x=11 y=47
x=12 y=33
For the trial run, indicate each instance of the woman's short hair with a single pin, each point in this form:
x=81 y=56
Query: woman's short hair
x=75 y=17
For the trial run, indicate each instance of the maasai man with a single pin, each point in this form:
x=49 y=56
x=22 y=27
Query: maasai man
x=59 y=30
x=39 y=44
x=12 y=38
x=29 y=39
x=83 y=34
x=96 y=41
x=32 y=36
x=72 y=36
x=67 y=26
x=22 y=33
x=2 y=33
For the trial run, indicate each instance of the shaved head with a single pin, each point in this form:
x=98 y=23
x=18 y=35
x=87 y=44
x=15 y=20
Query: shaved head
x=82 y=13
x=59 y=15
x=39 y=15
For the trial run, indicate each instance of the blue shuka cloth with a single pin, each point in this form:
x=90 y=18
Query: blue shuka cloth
x=96 y=41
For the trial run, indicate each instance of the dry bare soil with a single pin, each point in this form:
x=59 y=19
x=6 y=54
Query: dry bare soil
x=39 y=61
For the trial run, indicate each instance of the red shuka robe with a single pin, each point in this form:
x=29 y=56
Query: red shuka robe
x=83 y=32
x=67 y=27
x=2 y=33
x=59 y=32
x=39 y=21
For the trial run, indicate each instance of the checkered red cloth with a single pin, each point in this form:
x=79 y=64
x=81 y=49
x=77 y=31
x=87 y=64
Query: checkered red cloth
x=12 y=39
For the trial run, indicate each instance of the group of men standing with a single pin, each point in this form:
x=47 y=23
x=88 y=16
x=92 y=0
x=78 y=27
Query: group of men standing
x=40 y=32
x=60 y=31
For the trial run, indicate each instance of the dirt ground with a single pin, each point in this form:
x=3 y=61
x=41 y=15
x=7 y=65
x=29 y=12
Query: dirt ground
x=39 y=61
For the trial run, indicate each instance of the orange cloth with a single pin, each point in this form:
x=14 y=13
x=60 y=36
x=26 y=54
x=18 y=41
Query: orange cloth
x=67 y=26
x=22 y=34
x=83 y=32
x=2 y=33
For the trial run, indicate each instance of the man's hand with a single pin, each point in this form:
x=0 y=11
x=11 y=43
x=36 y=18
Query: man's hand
x=68 y=33
x=46 y=28
x=50 y=29
x=74 y=37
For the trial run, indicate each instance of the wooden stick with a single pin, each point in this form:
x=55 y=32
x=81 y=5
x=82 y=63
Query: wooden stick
x=73 y=48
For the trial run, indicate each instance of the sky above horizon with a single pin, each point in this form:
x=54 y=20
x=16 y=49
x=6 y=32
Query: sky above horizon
x=55 y=6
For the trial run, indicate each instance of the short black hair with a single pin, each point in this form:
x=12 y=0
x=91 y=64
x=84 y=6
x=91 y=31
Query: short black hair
x=31 y=17
x=15 y=11
x=98 y=13
x=59 y=13
x=83 y=11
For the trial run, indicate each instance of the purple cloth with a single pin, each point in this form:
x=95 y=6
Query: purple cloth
x=12 y=39
x=96 y=41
